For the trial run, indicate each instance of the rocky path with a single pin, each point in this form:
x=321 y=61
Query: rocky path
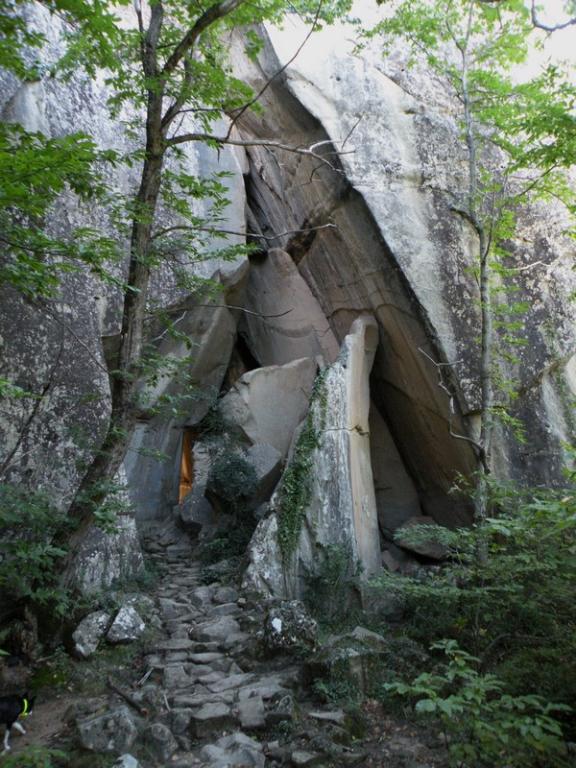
x=224 y=704
x=214 y=692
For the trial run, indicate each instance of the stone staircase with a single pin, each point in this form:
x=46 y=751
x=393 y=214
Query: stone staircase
x=219 y=702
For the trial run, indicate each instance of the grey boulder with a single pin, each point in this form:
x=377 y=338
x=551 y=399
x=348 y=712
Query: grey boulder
x=114 y=732
x=160 y=741
x=89 y=632
x=127 y=626
x=127 y=761
x=288 y=626
x=234 y=750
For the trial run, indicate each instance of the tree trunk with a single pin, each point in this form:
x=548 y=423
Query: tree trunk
x=125 y=377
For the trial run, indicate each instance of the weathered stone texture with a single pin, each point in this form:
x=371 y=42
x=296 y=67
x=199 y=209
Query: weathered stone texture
x=342 y=509
x=267 y=404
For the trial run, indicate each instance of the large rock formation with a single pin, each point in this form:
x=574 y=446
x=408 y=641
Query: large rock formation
x=289 y=322
x=341 y=509
x=267 y=404
x=401 y=251
x=374 y=232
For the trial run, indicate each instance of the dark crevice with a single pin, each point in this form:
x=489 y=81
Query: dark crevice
x=241 y=361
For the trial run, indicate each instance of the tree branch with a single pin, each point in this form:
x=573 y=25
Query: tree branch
x=283 y=68
x=271 y=143
x=215 y=230
x=36 y=407
x=445 y=389
x=548 y=27
x=209 y=17
x=69 y=330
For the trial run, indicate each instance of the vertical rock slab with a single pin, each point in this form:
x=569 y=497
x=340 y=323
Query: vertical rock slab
x=342 y=504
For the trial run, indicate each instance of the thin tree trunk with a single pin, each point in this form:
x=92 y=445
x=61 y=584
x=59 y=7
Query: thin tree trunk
x=481 y=493
x=124 y=378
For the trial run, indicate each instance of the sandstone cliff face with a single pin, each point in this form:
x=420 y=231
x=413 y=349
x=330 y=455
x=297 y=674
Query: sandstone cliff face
x=395 y=250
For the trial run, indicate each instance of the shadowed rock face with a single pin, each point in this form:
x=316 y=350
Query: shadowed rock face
x=61 y=352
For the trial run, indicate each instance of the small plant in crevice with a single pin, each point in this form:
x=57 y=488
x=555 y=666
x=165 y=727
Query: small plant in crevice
x=339 y=687
x=332 y=590
x=296 y=487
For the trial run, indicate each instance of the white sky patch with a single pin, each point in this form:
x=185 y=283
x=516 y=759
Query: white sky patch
x=559 y=46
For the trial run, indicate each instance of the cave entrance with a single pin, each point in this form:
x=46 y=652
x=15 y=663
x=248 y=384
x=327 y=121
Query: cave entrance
x=186 y=477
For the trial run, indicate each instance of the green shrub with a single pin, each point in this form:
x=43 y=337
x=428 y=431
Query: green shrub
x=29 y=560
x=332 y=590
x=339 y=688
x=513 y=607
x=521 y=593
x=36 y=757
x=233 y=479
x=483 y=725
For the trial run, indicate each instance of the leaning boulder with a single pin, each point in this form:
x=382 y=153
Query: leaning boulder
x=89 y=632
x=126 y=627
x=267 y=404
x=288 y=627
x=425 y=543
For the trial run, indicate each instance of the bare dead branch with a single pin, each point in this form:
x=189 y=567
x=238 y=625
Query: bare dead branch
x=246 y=311
x=210 y=230
x=283 y=68
x=444 y=388
x=128 y=698
x=221 y=141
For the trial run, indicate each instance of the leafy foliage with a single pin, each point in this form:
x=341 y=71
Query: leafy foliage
x=486 y=726
x=36 y=170
x=233 y=479
x=28 y=559
x=296 y=488
x=514 y=610
x=36 y=757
